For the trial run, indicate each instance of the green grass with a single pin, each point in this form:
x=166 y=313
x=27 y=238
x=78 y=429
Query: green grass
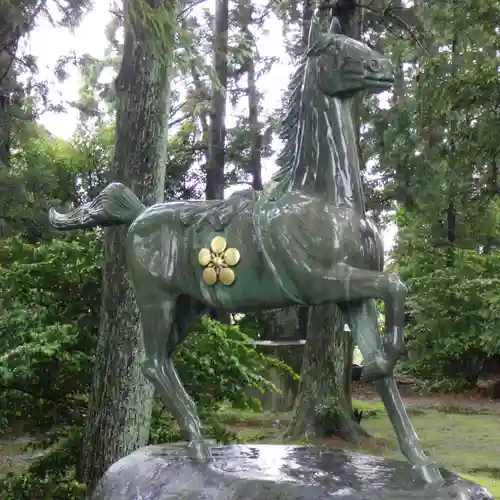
x=13 y=457
x=466 y=442
x=493 y=485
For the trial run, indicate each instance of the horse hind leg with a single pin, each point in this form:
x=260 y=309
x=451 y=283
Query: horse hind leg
x=362 y=318
x=158 y=313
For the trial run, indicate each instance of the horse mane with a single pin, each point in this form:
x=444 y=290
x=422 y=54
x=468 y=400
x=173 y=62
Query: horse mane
x=289 y=132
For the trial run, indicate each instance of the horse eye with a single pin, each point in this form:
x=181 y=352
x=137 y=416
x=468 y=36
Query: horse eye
x=374 y=65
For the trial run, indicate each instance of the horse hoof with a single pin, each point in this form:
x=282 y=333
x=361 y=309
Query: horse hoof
x=200 y=450
x=429 y=473
x=377 y=366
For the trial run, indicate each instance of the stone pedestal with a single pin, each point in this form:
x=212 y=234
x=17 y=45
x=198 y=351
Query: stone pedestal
x=271 y=472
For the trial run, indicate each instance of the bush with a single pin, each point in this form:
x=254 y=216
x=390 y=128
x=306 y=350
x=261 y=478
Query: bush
x=53 y=475
x=455 y=321
x=50 y=293
x=218 y=363
x=49 y=321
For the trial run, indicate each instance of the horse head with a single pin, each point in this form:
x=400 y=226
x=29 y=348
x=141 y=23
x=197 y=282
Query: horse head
x=344 y=66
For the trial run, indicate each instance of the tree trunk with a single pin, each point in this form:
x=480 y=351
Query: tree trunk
x=217 y=131
x=6 y=58
x=203 y=116
x=121 y=398
x=326 y=368
x=451 y=212
x=253 y=116
x=9 y=38
x=323 y=406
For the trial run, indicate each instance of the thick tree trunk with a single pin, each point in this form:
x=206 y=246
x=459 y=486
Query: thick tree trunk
x=9 y=38
x=203 y=116
x=121 y=398
x=326 y=368
x=217 y=131
x=253 y=116
x=323 y=406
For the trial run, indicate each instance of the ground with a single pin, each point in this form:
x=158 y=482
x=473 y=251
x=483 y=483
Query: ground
x=459 y=431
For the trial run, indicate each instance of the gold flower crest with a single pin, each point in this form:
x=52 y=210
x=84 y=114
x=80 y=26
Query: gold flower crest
x=217 y=261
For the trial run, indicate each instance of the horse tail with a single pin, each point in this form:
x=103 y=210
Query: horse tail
x=115 y=205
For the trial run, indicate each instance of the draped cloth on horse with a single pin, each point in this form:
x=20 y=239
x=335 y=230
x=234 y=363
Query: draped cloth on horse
x=299 y=236
x=289 y=232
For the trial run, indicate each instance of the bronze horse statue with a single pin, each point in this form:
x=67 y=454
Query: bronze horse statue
x=305 y=239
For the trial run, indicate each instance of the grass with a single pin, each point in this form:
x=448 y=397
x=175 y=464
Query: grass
x=13 y=456
x=466 y=442
x=463 y=442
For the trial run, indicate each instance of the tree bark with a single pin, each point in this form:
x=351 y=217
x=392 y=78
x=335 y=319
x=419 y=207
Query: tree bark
x=323 y=406
x=325 y=377
x=121 y=399
x=451 y=212
x=253 y=117
x=9 y=39
x=203 y=116
x=217 y=131
x=307 y=15
x=247 y=9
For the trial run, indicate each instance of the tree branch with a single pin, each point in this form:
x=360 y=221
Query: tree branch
x=339 y=8
x=68 y=403
x=189 y=8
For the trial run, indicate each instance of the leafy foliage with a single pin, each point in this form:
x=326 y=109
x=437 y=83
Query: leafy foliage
x=454 y=326
x=435 y=157
x=48 y=326
x=219 y=363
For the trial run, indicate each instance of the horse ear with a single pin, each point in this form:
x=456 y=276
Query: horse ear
x=335 y=27
x=314 y=30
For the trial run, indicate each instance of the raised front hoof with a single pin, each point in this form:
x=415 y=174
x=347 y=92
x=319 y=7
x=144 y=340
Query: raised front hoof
x=378 y=366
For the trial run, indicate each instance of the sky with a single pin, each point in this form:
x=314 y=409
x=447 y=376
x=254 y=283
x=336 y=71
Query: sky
x=49 y=43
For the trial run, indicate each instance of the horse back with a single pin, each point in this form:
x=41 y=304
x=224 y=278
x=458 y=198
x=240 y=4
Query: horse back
x=165 y=244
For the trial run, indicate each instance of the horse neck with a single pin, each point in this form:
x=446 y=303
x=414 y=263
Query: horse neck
x=327 y=161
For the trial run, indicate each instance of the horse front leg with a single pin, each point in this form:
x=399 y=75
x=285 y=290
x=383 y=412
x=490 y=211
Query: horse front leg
x=395 y=299
x=407 y=438
x=362 y=318
x=361 y=286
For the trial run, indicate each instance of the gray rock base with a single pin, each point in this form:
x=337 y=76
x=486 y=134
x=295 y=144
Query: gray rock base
x=271 y=472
